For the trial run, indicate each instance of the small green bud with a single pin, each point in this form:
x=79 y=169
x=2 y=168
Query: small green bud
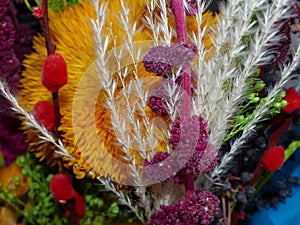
x=11 y=197
x=43 y=195
x=2 y=196
x=259 y=86
x=6 y=192
x=256 y=72
x=21 y=160
x=282 y=94
x=25 y=172
x=26 y=214
x=49 y=178
x=88 y=198
x=38 y=167
x=255 y=100
x=17 y=179
x=277 y=105
x=253 y=97
x=100 y=203
x=113 y=210
x=240 y=119
x=283 y=104
x=263 y=100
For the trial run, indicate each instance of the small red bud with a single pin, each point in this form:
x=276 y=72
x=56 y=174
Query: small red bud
x=38 y=12
x=293 y=99
x=273 y=158
x=44 y=113
x=79 y=205
x=61 y=188
x=54 y=74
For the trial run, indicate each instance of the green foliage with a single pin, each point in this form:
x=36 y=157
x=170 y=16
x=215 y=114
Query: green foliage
x=38 y=206
x=55 y=4
x=62 y=4
x=254 y=101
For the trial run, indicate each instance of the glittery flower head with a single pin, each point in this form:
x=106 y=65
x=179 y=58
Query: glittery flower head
x=169 y=215
x=157 y=168
x=199 y=208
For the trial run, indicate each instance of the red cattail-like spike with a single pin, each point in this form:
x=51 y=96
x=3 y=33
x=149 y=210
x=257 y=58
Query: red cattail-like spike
x=38 y=12
x=293 y=99
x=44 y=112
x=273 y=158
x=61 y=188
x=79 y=205
x=54 y=74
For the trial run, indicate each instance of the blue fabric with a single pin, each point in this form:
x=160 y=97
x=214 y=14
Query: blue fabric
x=287 y=213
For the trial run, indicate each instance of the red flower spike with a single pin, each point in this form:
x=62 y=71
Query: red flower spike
x=38 y=12
x=44 y=113
x=241 y=216
x=293 y=99
x=54 y=74
x=79 y=205
x=273 y=158
x=61 y=188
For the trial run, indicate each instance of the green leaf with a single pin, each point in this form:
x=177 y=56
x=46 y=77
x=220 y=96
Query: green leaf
x=290 y=150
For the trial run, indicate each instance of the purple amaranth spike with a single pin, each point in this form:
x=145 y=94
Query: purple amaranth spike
x=161 y=60
x=191 y=8
x=22 y=44
x=11 y=140
x=160 y=166
x=158 y=101
x=158 y=105
x=181 y=54
x=199 y=208
x=157 y=61
x=7 y=34
x=4 y=2
x=181 y=140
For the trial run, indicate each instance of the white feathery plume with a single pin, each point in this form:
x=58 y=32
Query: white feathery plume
x=259 y=115
x=223 y=81
x=31 y=122
x=123 y=197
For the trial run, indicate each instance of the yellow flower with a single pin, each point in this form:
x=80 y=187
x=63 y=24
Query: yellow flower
x=71 y=32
